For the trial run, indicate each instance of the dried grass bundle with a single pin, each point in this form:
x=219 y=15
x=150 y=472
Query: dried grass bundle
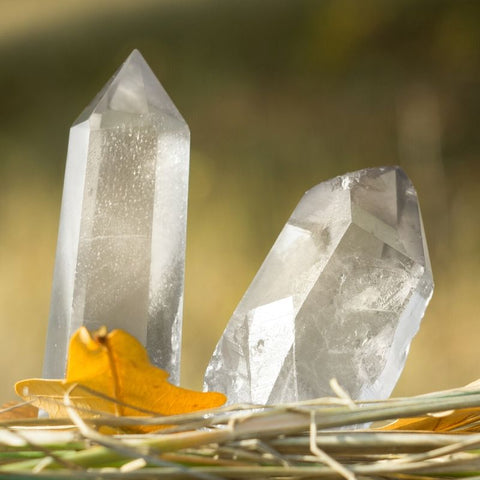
x=315 y=439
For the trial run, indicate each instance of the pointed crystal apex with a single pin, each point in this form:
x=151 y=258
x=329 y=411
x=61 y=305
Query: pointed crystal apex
x=340 y=295
x=133 y=89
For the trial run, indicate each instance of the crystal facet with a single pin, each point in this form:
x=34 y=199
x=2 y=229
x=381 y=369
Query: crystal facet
x=121 y=244
x=340 y=295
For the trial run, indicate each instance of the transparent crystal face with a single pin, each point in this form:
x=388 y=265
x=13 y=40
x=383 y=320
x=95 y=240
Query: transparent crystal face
x=121 y=246
x=340 y=295
x=116 y=230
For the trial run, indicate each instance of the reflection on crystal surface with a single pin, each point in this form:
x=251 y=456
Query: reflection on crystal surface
x=269 y=352
x=121 y=245
x=343 y=289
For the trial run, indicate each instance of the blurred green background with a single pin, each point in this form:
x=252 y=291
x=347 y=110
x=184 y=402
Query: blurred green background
x=279 y=95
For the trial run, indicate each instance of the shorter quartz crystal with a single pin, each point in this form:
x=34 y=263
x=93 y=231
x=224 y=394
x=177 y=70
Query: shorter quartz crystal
x=340 y=295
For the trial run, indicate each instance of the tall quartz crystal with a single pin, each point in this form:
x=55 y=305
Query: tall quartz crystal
x=340 y=295
x=121 y=243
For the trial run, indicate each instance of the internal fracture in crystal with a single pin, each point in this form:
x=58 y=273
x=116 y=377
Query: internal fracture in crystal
x=340 y=295
x=121 y=243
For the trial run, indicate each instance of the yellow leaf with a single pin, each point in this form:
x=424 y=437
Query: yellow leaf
x=115 y=365
x=461 y=420
x=465 y=419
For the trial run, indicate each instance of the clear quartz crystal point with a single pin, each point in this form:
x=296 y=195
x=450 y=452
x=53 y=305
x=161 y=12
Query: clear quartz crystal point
x=121 y=242
x=340 y=295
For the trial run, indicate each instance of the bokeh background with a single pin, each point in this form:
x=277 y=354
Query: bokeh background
x=279 y=95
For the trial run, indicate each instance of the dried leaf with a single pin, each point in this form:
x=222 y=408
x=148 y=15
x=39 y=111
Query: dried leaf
x=465 y=420
x=459 y=420
x=109 y=366
x=15 y=410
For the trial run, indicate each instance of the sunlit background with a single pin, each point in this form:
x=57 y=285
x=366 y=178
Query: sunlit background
x=279 y=95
